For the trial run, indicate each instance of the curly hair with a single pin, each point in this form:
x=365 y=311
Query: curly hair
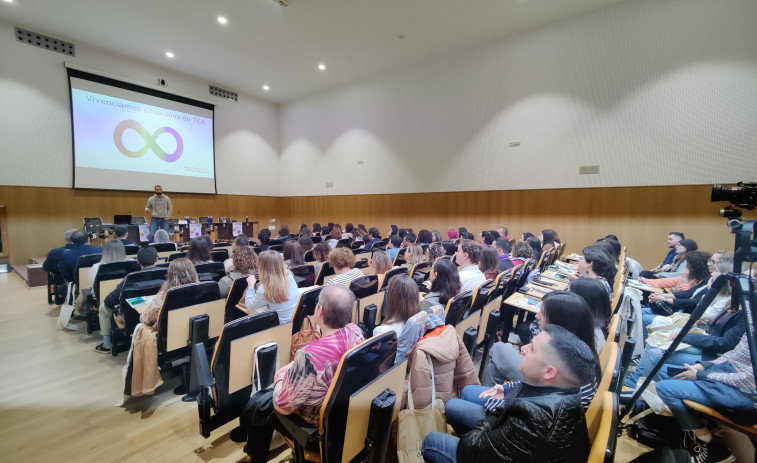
x=522 y=249
x=697 y=264
x=341 y=258
x=473 y=250
x=245 y=260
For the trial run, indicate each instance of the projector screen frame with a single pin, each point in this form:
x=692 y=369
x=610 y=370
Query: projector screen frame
x=134 y=87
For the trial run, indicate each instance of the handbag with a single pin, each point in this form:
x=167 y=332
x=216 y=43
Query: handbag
x=308 y=333
x=415 y=424
x=661 y=308
x=66 y=310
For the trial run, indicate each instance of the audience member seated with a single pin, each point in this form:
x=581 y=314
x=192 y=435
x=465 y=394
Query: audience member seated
x=436 y=236
x=113 y=251
x=424 y=237
x=121 y=232
x=335 y=236
x=535 y=246
x=321 y=253
x=435 y=251
x=342 y=260
x=181 y=272
x=395 y=243
x=595 y=295
x=276 y=291
x=413 y=255
x=360 y=235
x=542 y=418
x=445 y=284
x=70 y=257
x=401 y=303
x=595 y=263
x=294 y=255
x=306 y=242
x=683 y=301
x=673 y=239
x=264 y=237
x=547 y=239
x=408 y=239
x=161 y=236
x=468 y=255
x=525 y=236
x=51 y=264
x=283 y=233
x=348 y=230
x=301 y=386
x=244 y=262
x=521 y=253
x=683 y=246
x=146 y=257
x=199 y=252
x=489 y=264
x=393 y=230
x=240 y=240
x=562 y=308
x=503 y=233
x=452 y=234
x=725 y=384
x=485 y=238
x=380 y=262
x=208 y=241
x=373 y=238
x=503 y=254
x=316 y=229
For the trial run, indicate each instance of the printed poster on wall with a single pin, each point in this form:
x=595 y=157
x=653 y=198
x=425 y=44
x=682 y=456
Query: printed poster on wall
x=195 y=230
x=236 y=229
x=144 y=233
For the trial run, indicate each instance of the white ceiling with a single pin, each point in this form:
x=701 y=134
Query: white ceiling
x=265 y=43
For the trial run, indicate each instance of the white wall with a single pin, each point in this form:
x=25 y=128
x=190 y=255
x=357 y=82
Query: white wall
x=35 y=119
x=654 y=91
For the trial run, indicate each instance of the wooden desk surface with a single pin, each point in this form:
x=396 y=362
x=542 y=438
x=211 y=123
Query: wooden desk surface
x=643 y=287
x=557 y=275
x=555 y=285
x=139 y=303
x=520 y=301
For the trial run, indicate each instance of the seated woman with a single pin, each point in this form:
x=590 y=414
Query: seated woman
x=306 y=242
x=348 y=231
x=595 y=295
x=244 y=262
x=294 y=256
x=445 y=284
x=181 y=272
x=413 y=255
x=276 y=291
x=547 y=239
x=199 y=252
x=359 y=235
x=401 y=304
x=489 y=263
x=525 y=236
x=682 y=301
x=335 y=236
x=595 y=263
x=320 y=254
x=380 y=262
x=342 y=260
x=113 y=251
x=424 y=237
x=283 y=233
x=521 y=253
x=674 y=269
x=436 y=236
x=535 y=246
x=435 y=251
x=558 y=308
x=240 y=240
x=161 y=236
x=452 y=234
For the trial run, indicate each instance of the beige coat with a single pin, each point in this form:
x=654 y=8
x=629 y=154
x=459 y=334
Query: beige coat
x=453 y=368
x=142 y=374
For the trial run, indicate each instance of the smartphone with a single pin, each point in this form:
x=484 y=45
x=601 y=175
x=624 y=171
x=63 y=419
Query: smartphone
x=672 y=371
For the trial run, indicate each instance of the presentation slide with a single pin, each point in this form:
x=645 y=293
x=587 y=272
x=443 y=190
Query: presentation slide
x=127 y=140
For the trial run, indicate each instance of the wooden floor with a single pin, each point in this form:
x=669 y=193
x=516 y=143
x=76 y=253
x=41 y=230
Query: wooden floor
x=57 y=399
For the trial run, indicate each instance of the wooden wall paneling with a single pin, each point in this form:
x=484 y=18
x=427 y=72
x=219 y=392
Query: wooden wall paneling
x=5 y=249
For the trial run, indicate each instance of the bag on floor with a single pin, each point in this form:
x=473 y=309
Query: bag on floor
x=414 y=424
x=67 y=308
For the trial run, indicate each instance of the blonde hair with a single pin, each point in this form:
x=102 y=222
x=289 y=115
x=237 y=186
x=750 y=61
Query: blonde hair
x=381 y=262
x=113 y=251
x=417 y=254
x=273 y=277
x=180 y=272
x=724 y=266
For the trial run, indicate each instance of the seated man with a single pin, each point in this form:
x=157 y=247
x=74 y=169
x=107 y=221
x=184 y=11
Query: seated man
x=300 y=387
x=673 y=239
x=373 y=238
x=408 y=239
x=146 y=257
x=395 y=243
x=503 y=250
x=542 y=419
x=467 y=257
x=53 y=257
x=725 y=384
x=121 y=232
x=503 y=233
x=69 y=258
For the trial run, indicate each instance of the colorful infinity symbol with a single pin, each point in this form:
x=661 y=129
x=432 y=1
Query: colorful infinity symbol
x=150 y=141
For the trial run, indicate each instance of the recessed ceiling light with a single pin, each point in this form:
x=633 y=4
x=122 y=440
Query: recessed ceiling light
x=322 y=67
x=222 y=20
x=170 y=54
x=8 y=1
x=266 y=87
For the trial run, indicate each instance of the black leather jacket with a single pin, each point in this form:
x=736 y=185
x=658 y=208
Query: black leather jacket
x=538 y=424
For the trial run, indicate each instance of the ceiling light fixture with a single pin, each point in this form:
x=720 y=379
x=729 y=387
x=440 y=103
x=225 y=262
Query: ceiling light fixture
x=222 y=20
x=8 y=1
x=266 y=87
x=170 y=54
x=322 y=67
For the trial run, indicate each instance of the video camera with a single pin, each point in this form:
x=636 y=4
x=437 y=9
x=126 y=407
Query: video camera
x=743 y=196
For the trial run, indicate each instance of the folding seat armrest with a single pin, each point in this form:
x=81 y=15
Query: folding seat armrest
x=203 y=367
x=298 y=429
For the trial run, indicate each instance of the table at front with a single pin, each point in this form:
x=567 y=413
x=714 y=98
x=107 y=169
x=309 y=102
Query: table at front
x=221 y=231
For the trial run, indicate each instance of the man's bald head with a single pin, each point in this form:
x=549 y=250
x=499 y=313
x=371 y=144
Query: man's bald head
x=337 y=303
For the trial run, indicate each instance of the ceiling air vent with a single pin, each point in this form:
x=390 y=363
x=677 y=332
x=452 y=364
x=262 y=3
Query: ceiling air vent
x=43 y=41
x=283 y=2
x=223 y=93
